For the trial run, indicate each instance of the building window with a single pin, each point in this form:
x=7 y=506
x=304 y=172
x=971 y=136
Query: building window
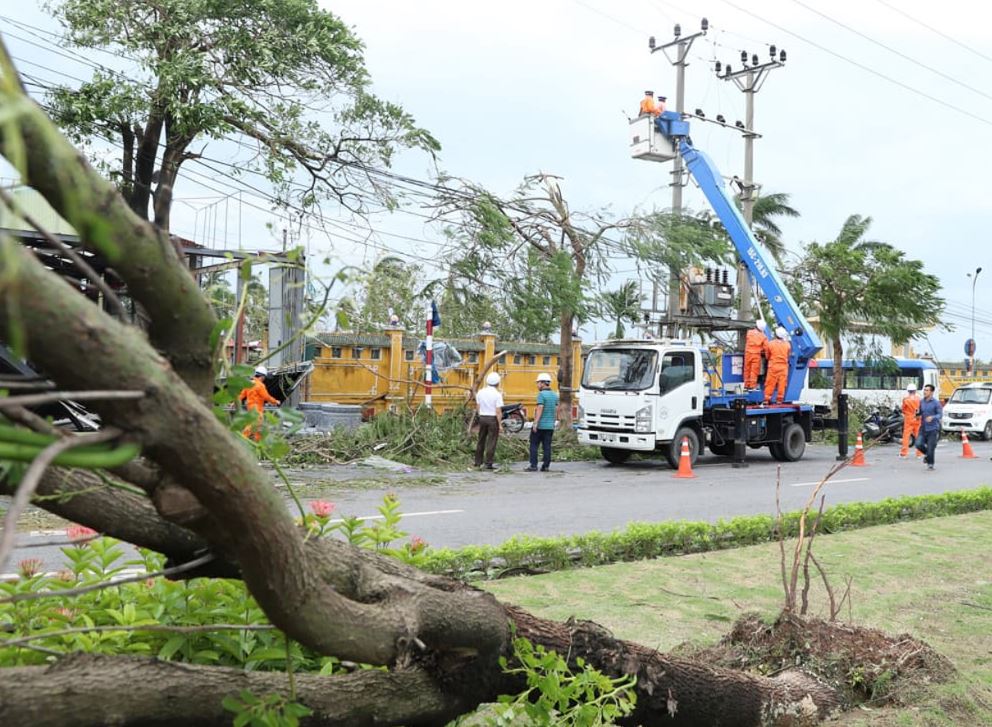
x=473 y=357
x=375 y=354
x=408 y=355
x=517 y=358
x=335 y=352
x=531 y=360
x=546 y=360
x=356 y=351
x=318 y=351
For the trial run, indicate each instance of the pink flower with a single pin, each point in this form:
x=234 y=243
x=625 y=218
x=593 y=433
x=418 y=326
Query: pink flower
x=66 y=613
x=30 y=567
x=417 y=544
x=79 y=532
x=322 y=508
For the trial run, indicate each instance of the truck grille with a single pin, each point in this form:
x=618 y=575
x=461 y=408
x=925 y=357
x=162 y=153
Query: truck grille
x=612 y=422
x=960 y=416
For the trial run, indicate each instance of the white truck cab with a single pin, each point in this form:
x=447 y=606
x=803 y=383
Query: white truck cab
x=642 y=395
x=970 y=410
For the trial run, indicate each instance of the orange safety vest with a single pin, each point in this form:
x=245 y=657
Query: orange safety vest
x=256 y=396
x=778 y=354
x=910 y=405
x=648 y=106
x=756 y=343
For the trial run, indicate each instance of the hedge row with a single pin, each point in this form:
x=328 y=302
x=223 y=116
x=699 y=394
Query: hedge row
x=639 y=540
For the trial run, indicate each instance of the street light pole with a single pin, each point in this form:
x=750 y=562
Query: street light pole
x=974 y=280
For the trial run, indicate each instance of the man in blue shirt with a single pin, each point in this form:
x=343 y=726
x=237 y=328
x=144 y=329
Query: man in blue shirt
x=930 y=414
x=544 y=423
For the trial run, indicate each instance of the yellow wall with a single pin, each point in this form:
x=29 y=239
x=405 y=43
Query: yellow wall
x=388 y=376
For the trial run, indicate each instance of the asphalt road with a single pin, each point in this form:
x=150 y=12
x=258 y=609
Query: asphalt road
x=464 y=508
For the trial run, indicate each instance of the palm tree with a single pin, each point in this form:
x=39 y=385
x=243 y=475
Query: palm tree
x=767 y=209
x=623 y=304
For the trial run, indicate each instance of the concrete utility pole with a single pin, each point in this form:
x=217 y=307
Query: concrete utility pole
x=749 y=80
x=679 y=48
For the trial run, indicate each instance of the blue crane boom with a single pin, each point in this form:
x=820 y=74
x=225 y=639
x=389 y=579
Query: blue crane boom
x=805 y=342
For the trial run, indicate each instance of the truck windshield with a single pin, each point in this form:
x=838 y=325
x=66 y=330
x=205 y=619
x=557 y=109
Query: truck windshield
x=970 y=396
x=627 y=369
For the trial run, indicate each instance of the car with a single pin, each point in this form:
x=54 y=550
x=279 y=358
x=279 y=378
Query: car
x=970 y=410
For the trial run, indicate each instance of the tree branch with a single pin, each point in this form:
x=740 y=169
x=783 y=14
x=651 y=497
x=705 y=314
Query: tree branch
x=29 y=482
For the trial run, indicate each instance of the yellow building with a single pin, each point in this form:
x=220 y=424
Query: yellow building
x=382 y=371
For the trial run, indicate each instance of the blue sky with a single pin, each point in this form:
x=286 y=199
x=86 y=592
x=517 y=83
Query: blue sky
x=512 y=88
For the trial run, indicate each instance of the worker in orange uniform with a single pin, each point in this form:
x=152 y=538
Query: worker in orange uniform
x=649 y=107
x=256 y=397
x=755 y=346
x=910 y=420
x=777 y=375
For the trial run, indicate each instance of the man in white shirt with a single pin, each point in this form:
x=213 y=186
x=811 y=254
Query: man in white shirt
x=490 y=403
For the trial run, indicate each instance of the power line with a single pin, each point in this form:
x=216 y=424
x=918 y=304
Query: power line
x=902 y=55
x=919 y=22
x=861 y=66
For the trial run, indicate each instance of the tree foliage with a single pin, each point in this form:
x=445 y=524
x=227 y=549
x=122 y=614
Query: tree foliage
x=284 y=81
x=854 y=284
x=622 y=304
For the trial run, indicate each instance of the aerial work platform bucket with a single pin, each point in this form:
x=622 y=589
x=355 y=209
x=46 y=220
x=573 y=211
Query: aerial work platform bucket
x=647 y=142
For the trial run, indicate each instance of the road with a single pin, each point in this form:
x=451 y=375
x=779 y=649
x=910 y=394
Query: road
x=465 y=508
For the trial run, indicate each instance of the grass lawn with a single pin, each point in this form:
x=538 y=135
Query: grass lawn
x=930 y=578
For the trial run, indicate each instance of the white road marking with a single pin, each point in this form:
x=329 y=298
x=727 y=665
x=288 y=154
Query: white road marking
x=406 y=515
x=835 y=482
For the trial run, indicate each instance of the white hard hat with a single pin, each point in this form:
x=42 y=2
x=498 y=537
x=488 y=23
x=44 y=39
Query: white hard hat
x=760 y=325
x=492 y=379
x=781 y=333
x=261 y=371
x=911 y=387
x=546 y=378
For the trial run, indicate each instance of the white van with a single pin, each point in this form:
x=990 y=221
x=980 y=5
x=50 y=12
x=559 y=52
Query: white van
x=970 y=410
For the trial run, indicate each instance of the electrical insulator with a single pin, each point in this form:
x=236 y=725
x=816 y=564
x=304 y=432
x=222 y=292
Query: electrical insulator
x=705 y=25
x=771 y=51
x=678 y=30
x=781 y=56
x=754 y=59
x=719 y=66
x=651 y=42
x=744 y=57
x=728 y=69
x=724 y=277
x=709 y=275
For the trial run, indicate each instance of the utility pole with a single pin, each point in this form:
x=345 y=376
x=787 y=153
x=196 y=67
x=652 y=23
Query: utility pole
x=679 y=48
x=749 y=80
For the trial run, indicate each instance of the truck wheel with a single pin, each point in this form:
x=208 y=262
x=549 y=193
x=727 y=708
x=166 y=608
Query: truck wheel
x=793 y=443
x=987 y=432
x=614 y=455
x=778 y=454
x=722 y=450
x=674 y=448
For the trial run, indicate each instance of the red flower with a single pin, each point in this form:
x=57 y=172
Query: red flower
x=79 y=532
x=30 y=567
x=417 y=544
x=322 y=508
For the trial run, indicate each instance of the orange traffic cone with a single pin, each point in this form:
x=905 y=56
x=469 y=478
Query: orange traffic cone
x=859 y=454
x=966 y=451
x=685 y=461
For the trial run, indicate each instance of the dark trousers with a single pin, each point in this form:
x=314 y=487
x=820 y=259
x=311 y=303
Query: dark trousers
x=488 y=435
x=927 y=443
x=542 y=437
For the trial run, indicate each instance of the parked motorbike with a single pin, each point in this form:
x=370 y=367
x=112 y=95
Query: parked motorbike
x=884 y=428
x=514 y=417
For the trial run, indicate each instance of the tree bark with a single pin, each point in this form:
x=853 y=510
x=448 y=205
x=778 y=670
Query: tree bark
x=838 y=382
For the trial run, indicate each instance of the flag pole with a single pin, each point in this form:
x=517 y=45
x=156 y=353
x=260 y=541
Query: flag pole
x=429 y=366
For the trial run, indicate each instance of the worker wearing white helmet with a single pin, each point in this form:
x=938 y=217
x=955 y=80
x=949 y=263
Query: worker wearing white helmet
x=910 y=420
x=543 y=428
x=777 y=376
x=256 y=397
x=755 y=346
x=489 y=402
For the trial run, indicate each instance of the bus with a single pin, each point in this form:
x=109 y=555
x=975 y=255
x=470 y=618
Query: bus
x=876 y=383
